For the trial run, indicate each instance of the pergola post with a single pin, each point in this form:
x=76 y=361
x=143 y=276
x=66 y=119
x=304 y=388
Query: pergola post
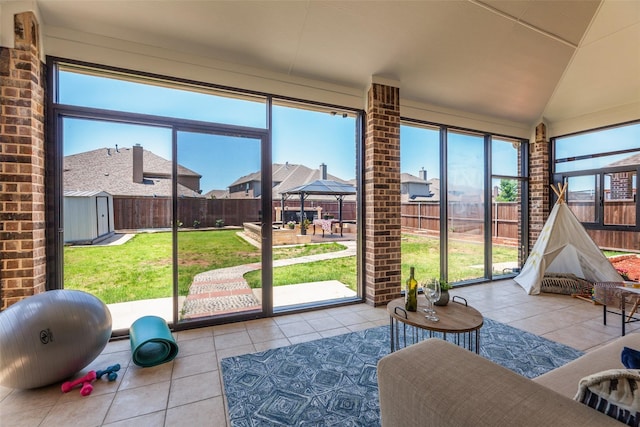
x=340 y=213
x=303 y=230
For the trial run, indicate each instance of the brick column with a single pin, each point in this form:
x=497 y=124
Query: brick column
x=22 y=165
x=538 y=183
x=382 y=190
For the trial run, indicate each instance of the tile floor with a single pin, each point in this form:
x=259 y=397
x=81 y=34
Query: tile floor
x=189 y=391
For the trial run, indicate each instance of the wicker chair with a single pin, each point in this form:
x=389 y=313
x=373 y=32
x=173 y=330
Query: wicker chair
x=612 y=295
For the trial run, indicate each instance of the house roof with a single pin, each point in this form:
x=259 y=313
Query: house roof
x=288 y=175
x=111 y=170
x=217 y=194
x=632 y=160
x=407 y=177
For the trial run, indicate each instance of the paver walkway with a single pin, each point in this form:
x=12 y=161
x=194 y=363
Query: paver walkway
x=225 y=290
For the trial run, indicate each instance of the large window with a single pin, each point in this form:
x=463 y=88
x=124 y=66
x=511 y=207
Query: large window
x=86 y=87
x=601 y=168
x=420 y=200
x=200 y=204
x=462 y=198
x=465 y=205
x=507 y=187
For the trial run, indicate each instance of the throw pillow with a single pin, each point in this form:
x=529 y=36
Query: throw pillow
x=614 y=392
x=630 y=358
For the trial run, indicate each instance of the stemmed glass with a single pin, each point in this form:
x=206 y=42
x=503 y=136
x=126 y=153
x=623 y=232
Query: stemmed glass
x=432 y=293
x=425 y=291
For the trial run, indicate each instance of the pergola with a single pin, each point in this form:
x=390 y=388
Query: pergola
x=320 y=187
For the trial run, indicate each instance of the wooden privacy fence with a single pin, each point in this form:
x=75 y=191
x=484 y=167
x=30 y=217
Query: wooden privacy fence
x=464 y=218
x=135 y=213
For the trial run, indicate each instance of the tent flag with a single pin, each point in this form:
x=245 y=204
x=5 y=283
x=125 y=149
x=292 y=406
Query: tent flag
x=564 y=246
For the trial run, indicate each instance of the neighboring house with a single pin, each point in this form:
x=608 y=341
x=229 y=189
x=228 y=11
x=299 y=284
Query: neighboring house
x=623 y=185
x=415 y=188
x=128 y=172
x=285 y=176
x=217 y=194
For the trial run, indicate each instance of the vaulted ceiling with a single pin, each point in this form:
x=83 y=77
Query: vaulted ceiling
x=513 y=60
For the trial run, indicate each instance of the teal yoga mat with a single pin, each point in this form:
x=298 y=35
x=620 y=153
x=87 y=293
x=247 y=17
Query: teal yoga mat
x=151 y=342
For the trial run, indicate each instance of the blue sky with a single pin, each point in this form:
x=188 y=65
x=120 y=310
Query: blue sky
x=299 y=136
x=612 y=139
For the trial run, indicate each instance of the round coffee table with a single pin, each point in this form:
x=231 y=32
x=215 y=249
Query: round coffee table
x=457 y=318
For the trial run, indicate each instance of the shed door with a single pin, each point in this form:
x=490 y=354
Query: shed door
x=102 y=209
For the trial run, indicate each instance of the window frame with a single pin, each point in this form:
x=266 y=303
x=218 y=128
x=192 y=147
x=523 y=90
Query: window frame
x=560 y=177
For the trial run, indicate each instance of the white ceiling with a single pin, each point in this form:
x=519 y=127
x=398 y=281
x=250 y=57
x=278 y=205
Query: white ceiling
x=513 y=60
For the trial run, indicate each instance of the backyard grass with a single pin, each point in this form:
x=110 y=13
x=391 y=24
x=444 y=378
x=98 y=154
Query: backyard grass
x=142 y=267
x=421 y=252
x=465 y=258
x=341 y=269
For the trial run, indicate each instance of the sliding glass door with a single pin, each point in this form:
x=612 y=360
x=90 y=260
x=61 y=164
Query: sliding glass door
x=178 y=199
x=219 y=231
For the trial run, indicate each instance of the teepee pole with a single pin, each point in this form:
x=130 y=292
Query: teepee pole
x=560 y=191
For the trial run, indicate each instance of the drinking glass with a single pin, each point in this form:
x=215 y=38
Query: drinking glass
x=425 y=291
x=432 y=292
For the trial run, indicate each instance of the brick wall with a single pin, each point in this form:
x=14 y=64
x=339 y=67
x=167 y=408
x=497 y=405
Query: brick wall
x=382 y=189
x=538 y=183
x=22 y=158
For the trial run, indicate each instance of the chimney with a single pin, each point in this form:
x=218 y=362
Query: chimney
x=323 y=171
x=138 y=171
x=422 y=174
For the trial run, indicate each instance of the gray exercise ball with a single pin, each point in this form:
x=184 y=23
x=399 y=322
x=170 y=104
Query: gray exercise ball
x=48 y=337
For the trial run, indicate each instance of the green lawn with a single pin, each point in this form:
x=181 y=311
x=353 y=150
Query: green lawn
x=423 y=253
x=342 y=269
x=142 y=268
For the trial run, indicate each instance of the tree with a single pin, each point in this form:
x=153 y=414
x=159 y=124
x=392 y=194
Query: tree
x=508 y=191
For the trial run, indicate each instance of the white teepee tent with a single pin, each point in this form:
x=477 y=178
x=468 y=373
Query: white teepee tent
x=564 y=246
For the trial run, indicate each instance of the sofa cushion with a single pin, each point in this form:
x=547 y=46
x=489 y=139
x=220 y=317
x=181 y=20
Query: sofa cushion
x=565 y=379
x=614 y=392
x=465 y=389
x=630 y=358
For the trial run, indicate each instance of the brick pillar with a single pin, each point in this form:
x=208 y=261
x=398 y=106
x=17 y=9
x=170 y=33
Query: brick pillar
x=538 y=183
x=382 y=190
x=22 y=165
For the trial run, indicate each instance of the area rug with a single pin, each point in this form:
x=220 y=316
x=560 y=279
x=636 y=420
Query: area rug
x=333 y=381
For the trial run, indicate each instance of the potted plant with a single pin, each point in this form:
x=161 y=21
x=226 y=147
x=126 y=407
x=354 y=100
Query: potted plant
x=291 y=224
x=444 y=294
x=196 y=224
x=219 y=223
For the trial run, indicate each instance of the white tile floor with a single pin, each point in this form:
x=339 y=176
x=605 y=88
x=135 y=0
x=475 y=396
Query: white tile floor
x=189 y=391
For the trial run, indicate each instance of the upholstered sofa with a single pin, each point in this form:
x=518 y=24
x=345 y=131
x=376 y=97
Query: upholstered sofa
x=436 y=383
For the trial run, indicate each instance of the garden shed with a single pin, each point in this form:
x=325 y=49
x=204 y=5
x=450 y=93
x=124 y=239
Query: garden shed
x=88 y=216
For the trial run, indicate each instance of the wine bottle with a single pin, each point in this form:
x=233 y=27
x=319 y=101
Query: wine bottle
x=411 y=293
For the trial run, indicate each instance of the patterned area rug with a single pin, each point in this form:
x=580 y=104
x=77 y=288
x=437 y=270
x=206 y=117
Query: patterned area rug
x=333 y=381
